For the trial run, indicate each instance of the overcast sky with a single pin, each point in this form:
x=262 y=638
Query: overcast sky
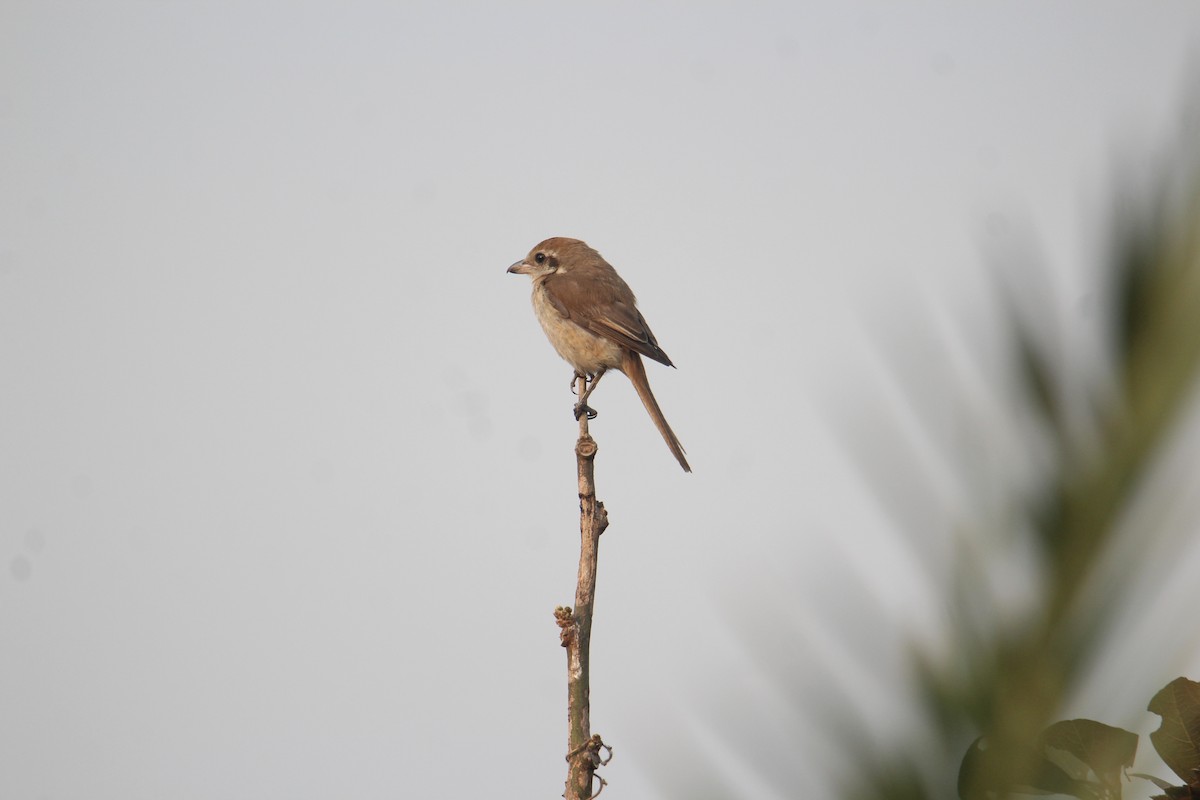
x=286 y=464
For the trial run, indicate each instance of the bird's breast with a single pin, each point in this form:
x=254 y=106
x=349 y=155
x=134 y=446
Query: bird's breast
x=580 y=348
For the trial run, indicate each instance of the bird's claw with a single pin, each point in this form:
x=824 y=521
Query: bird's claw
x=587 y=380
x=583 y=408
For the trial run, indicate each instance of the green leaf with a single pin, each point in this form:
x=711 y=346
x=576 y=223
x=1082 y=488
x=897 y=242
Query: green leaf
x=1159 y=782
x=1079 y=745
x=1177 y=739
x=984 y=773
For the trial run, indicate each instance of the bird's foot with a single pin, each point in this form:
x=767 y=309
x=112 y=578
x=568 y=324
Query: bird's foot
x=584 y=408
x=575 y=382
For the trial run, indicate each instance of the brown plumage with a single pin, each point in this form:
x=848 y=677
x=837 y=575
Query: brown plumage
x=590 y=316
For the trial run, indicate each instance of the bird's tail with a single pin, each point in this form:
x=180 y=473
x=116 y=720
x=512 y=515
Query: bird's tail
x=631 y=365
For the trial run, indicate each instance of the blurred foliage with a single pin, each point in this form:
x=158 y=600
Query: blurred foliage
x=989 y=690
x=1006 y=683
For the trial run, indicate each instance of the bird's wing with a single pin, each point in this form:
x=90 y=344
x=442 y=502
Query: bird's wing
x=627 y=327
x=595 y=303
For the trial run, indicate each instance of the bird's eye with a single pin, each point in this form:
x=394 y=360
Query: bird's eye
x=540 y=257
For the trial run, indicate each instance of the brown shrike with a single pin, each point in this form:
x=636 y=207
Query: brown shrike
x=591 y=317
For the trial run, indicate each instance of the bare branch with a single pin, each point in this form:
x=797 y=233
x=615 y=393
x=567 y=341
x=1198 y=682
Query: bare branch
x=583 y=749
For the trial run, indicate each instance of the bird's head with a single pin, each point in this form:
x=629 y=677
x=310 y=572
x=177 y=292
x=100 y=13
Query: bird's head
x=551 y=256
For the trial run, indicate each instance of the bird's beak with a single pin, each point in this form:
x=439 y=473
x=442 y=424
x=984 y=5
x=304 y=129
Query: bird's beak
x=520 y=268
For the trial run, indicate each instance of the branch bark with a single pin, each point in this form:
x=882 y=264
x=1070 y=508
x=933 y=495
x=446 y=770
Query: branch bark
x=583 y=749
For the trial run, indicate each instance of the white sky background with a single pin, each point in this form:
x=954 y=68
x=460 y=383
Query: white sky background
x=286 y=468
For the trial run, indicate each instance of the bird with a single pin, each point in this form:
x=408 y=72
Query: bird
x=591 y=317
